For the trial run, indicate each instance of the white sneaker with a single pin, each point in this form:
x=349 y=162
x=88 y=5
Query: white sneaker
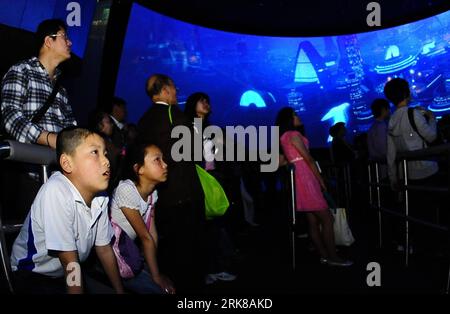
x=401 y=248
x=210 y=279
x=342 y=263
x=224 y=276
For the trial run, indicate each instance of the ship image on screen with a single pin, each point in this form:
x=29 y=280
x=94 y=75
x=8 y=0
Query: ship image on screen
x=249 y=78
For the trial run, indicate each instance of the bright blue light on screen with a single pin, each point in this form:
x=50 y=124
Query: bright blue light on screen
x=251 y=97
x=336 y=114
x=250 y=78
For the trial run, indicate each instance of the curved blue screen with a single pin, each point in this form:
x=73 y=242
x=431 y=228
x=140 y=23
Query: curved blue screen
x=249 y=78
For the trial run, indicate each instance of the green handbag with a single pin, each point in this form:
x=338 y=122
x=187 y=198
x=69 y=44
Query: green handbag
x=216 y=201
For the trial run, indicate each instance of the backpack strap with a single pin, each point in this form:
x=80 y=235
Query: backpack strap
x=412 y=121
x=41 y=112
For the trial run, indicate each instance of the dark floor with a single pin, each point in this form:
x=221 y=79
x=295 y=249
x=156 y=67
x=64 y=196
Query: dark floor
x=264 y=263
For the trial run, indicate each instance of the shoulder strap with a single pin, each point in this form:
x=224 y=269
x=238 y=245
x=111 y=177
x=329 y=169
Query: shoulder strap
x=170 y=114
x=412 y=121
x=41 y=112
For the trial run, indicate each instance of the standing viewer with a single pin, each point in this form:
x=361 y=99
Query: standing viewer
x=25 y=90
x=309 y=185
x=28 y=84
x=377 y=134
x=180 y=215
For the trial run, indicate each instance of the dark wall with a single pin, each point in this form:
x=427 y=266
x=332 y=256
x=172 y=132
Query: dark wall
x=17 y=44
x=295 y=17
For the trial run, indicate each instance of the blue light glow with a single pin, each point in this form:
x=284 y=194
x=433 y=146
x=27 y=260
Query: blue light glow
x=336 y=114
x=250 y=78
x=252 y=98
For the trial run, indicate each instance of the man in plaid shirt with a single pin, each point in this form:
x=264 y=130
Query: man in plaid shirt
x=24 y=90
x=28 y=84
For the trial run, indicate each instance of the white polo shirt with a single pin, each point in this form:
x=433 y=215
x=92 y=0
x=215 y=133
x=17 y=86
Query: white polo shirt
x=60 y=220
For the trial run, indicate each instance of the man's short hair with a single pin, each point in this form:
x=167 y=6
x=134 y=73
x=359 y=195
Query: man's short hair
x=47 y=28
x=69 y=139
x=160 y=80
x=378 y=105
x=116 y=101
x=119 y=101
x=396 y=90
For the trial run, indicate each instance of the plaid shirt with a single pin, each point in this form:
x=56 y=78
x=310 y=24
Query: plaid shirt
x=25 y=89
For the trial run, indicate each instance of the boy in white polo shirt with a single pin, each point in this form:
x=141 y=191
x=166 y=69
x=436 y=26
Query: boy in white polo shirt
x=67 y=219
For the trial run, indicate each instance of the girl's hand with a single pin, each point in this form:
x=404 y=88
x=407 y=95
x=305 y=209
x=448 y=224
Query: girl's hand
x=165 y=284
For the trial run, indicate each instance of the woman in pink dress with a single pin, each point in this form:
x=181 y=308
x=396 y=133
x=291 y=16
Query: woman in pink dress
x=308 y=187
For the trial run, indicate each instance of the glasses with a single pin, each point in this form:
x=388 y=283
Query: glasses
x=63 y=35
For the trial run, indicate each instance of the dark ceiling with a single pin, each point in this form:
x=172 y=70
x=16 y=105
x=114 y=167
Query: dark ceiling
x=295 y=18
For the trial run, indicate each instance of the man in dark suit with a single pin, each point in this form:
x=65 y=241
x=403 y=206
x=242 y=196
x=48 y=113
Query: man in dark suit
x=180 y=212
x=118 y=114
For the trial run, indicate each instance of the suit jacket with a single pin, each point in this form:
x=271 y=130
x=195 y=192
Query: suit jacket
x=118 y=136
x=183 y=184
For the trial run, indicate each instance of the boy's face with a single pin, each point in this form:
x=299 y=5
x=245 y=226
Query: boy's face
x=154 y=168
x=89 y=166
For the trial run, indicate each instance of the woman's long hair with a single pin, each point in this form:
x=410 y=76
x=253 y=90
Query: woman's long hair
x=191 y=105
x=285 y=120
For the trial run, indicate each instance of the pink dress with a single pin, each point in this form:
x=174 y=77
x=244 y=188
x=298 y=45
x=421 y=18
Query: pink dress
x=308 y=194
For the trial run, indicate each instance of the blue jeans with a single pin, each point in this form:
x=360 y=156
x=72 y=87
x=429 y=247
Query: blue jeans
x=142 y=284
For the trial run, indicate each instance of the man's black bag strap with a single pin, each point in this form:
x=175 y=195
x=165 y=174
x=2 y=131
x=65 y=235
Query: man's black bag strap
x=412 y=121
x=41 y=112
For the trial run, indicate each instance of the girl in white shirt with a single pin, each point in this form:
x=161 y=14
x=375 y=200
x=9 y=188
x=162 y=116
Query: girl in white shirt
x=132 y=218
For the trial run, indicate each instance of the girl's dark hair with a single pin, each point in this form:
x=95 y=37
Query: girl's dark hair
x=285 y=120
x=191 y=104
x=135 y=155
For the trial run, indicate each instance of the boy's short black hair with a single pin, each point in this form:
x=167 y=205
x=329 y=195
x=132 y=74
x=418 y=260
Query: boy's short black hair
x=69 y=139
x=47 y=28
x=397 y=90
x=378 y=105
